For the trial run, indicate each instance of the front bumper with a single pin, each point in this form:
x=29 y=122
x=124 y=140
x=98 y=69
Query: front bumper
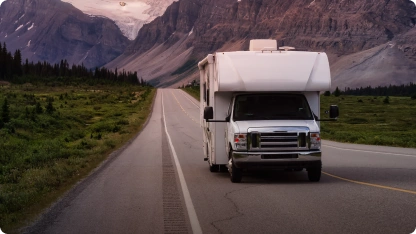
x=269 y=160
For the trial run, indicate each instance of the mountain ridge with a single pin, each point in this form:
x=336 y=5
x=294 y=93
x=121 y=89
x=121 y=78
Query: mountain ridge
x=339 y=28
x=52 y=31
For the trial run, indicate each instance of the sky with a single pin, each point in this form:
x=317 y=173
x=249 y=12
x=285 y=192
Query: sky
x=130 y=17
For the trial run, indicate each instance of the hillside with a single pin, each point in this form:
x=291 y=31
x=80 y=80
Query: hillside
x=368 y=42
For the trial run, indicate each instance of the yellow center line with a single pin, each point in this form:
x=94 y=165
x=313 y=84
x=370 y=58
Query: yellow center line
x=372 y=185
x=184 y=109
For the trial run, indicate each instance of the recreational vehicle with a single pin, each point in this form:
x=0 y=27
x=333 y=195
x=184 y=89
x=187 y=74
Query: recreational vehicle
x=260 y=109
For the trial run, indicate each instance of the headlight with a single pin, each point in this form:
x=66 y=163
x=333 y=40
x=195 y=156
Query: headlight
x=240 y=141
x=315 y=141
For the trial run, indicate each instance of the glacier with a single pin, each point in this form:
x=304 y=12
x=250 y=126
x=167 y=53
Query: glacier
x=130 y=17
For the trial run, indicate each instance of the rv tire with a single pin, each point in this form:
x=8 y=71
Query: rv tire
x=214 y=168
x=314 y=174
x=236 y=175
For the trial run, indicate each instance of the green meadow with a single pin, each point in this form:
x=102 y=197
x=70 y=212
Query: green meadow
x=372 y=120
x=51 y=137
x=366 y=119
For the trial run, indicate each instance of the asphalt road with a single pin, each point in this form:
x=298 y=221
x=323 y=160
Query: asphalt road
x=160 y=184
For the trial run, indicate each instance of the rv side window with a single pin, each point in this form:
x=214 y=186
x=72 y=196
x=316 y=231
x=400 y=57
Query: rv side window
x=207 y=97
x=205 y=92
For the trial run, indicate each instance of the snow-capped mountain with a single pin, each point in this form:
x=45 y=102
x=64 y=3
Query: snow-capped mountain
x=129 y=15
x=51 y=30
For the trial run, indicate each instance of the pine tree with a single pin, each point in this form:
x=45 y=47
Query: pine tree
x=26 y=67
x=17 y=64
x=337 y=92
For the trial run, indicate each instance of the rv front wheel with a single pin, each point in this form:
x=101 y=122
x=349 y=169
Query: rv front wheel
x=314 y=174
x=236 y=175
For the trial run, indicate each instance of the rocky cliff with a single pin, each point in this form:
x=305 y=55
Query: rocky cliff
x=50 y=30
x=360 y=36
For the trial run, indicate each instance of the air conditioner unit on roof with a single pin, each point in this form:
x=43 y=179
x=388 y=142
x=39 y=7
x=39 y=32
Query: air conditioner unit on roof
x=263 y=45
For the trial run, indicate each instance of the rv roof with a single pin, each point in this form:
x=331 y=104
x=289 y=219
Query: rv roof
x=272 y=71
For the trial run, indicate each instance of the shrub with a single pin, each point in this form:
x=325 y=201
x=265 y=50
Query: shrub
x=103 y=127
x=38 y=108
x=110 y=143
x=123 y=122
x=337 y=92
x=386 y=100
x=49 y=108
x=116 y=128
x=327 y=93
x=5 y=114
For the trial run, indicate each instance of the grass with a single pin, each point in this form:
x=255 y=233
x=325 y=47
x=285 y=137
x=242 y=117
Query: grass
x=193 y=91
x=45 y=150
x=370 y=120
x=366 y=119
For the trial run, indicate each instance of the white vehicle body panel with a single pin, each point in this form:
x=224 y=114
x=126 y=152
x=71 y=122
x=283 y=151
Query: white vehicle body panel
x=225 y=75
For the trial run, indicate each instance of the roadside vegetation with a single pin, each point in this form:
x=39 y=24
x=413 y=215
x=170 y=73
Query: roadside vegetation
x=193 y=91
x=57 y=123
x=50 y=137
x=372 y=120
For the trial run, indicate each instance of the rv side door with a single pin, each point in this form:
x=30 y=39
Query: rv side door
x=228 y=128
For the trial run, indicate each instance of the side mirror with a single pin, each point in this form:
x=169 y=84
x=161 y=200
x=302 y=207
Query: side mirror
x=333 y=112
x=227 y=119
x=208 y=113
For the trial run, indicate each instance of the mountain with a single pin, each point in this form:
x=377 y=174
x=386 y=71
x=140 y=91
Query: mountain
x=129 y=15
x=51 y=30
x=368 y=42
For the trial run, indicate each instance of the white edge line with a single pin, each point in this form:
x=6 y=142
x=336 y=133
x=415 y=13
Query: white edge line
x=196 y=228
x=185 y=95
x=366 y=151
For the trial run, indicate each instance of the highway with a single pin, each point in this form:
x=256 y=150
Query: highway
x=161 y=184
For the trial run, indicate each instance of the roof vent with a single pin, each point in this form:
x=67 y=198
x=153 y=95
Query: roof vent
x=263 y=45
x=287 y=48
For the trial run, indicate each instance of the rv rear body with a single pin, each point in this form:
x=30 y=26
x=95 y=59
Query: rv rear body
x=260 y=110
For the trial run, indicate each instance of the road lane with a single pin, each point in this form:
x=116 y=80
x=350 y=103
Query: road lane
x=196 y=228
x=387 y=166
x=139 y=190
x=287 y=202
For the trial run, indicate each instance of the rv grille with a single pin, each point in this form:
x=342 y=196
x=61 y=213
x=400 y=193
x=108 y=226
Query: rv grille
x=278 y=141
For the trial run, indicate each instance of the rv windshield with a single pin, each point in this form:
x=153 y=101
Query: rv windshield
x=271 y=107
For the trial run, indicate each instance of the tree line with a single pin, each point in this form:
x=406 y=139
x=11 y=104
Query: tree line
x=408 y=90
x=13 y=70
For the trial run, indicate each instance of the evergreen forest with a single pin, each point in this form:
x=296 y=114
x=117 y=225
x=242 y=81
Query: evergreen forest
x=13 y=70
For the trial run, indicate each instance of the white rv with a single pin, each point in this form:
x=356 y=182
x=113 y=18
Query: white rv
x=260 y=109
